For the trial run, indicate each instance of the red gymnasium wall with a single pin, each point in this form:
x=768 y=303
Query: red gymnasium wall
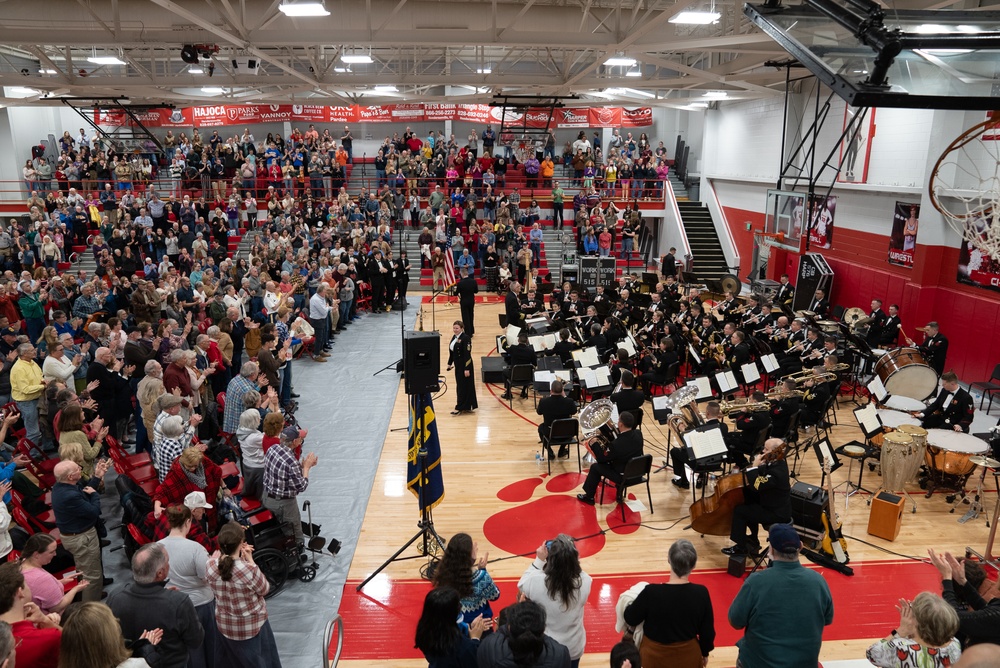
x=968 y=315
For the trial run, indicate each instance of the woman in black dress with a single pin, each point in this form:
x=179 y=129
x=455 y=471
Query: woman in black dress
x=402 y=276
x=460 y=357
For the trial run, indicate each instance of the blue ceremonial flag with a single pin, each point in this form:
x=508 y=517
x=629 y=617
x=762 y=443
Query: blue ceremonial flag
x=424 y=434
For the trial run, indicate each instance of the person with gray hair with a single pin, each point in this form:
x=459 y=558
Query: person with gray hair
x=770 y=598
x=7 y=645
x=77 y=508
x=170 y=407
x=170 y=444
x=252 y=447
x=925 y=635
x=248 y=379
x=26 y=389
x=147 y=604
x=678 y=625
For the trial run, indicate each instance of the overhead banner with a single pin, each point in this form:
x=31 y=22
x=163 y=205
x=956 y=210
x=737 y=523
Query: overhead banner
x=247 y=114
x=903 y=241
x=975 y=266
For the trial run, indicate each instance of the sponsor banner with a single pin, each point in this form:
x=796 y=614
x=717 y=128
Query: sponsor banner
x=248 y=114
x=903 y=241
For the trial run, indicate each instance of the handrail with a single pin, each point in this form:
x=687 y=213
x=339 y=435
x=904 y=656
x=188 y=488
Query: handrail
x=337 y=621
x=735 y=264
x=671 y=200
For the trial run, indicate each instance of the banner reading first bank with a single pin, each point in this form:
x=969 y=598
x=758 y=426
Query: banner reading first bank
x=249 y=114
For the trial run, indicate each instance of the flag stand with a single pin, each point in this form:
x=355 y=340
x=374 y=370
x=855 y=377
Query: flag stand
x=426 y=530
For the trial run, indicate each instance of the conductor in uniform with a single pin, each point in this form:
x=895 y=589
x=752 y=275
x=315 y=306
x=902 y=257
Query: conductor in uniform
x=768 y=499
x=512 y=305
x=952 y=409
x=467 y=289
x=554 y=407
x=611 y=462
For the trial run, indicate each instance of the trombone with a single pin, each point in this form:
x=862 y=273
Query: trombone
x=778 y=395
x=743 y=406
x=809 y=374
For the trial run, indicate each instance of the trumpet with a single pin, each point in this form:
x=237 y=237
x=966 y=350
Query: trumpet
x=744 y=406
x=778 y=395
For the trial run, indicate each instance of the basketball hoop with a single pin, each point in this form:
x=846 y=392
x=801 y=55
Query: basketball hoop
x=965 y=187
x=764 y=243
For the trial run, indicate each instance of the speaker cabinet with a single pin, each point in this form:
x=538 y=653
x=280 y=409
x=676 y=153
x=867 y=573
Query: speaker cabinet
x=886 y=516
x=421 y=362
x=808 y=502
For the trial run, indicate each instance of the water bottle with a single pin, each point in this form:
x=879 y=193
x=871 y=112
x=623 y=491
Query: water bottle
x=538 y=457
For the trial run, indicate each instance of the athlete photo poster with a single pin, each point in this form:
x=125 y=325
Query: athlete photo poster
x=975 y=266
x=903 y=240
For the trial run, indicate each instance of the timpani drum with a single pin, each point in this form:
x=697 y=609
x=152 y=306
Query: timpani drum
x=949 y=452
x=901 y=459
x=905 y=373
x=896 y=418
x=907 y=404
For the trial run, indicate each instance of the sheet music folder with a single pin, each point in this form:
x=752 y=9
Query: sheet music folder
x=869 y=420
x=705 y=445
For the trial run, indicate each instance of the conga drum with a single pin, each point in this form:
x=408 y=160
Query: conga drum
x=900 y=460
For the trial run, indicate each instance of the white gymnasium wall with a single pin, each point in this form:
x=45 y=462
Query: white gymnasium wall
x=743 y=140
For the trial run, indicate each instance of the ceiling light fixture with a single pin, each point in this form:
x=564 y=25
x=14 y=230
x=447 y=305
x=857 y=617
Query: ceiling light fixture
x=696 y=18
x=105 y=60
x=341 y=70
x=47 y=71
x=356 y=59
x=620 y=61
x=634 y=73
x=639 y=93
x=305 y=8
x=716 y=95
x=699 y=105
x=616 y=91
x=195 y=70
x=20 y=92
x=385 y=88
x=213 y=90
x=484 y=70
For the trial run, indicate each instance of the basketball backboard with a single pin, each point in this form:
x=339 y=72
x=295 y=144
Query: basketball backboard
x=876 y=57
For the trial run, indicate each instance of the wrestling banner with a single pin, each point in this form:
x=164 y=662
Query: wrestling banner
x=975 y=266
x=903 y=240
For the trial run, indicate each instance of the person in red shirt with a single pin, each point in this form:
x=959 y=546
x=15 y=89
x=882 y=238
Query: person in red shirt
x=37 y=635
x=273 y=424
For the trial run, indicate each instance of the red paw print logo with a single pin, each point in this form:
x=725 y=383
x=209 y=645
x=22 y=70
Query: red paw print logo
x=521 y=529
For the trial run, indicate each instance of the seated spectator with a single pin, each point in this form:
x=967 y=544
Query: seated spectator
x=48 y=593
x=245 y=637
x=925 y=635
x=196 y=503
x=36 y=634
x=92 y=638
x=146 y=604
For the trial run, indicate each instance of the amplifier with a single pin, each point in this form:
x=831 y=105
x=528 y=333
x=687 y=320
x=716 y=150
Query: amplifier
x=808 y=503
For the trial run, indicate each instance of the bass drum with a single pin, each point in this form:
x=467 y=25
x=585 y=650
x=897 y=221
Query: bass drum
x=905 y=373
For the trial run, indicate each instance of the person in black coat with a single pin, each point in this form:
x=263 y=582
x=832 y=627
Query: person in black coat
x=934 y=347
x=877 y=324
x=768 y=503
x=112 y=394
x=890 y=328
x=522 y=634
x=402 y=264
x=750 y=425
x=819 y=304
x=554 y=407
x=460 y=359
x=467 y=289
x=628 y=398
x=813 y=403
x=564 y=348
x=515 y=355
x=952 y=409
x=611 y=462
x=376 y=277
x=783 y=409
x=679 y=455
x=512 y=305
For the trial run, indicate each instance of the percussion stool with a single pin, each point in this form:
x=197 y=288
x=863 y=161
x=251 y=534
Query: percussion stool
x=737 y=565
x=854 y=450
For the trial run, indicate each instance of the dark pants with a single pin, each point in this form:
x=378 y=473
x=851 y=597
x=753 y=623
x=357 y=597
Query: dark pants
x=321 y=325
x=468 y=319
x=203 y=656
x=594 y=475
x=747 y=519
x=678 y=460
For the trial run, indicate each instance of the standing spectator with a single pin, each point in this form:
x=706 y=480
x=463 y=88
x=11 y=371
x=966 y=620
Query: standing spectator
x=678 y=626
x=977 y=618
x=442 y=641
x=319 y=318
x=252 y=448
x=461 y=570
x=285 y=478
x=556 y=582
x=191 y=472
x=769 y=598
x=925 y=635
x=522 y=636
x=92 y=638
x=248 y=379
x=78 y=515
x=147 y=604
x=245 y=637
x=48 y=593
x=26 y=388
x=36 y=635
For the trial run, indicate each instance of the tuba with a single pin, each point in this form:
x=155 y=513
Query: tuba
x=684 y=413
x=597 y=424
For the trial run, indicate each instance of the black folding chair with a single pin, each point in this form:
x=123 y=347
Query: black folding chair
x=564 y=433
x=637 y=471
x=522 y=376
x=988 y=387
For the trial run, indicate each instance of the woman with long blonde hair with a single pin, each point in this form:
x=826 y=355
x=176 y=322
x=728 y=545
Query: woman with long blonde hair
x=92 y=638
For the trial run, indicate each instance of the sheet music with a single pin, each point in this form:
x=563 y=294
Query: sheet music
x=694 y=354
x=603 y=376
x=614 y=415
x=543 y=342
x=868 y=418
x=704 y=386
x=565 y=375
x=660 y=402
x=587 y=377
x=877 y=389
x=544 y=376
x=826 y=450
x=513 y=331
x=705 y=444
x=726 y=381
x=770 y=363
x=587 y=357
x=750 y=373
x=628 y=345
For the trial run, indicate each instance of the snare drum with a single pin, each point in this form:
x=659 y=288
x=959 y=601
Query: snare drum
x=905 y=373
x=898 y=403
x=901 y=459
x=949 y=451
x=896 y=418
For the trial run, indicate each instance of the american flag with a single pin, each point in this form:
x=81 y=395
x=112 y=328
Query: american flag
x=449 y=263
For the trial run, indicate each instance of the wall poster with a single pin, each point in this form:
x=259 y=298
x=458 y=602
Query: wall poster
x=903 y=240
x=975 y=266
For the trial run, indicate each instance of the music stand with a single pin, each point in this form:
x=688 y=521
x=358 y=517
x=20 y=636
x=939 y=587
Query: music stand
x=824 y=451
x=649 y=278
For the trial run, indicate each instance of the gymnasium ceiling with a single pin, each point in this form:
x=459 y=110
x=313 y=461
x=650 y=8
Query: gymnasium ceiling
x=476 y=49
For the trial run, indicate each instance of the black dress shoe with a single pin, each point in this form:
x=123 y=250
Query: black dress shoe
x=295 y=396
x=552 y=455
x=589 y=500
x=456 y=412
x=734 y=551
x=564 y=453
x=683 y=484
x=505 y=396
x=108 y=582
x=105 y=542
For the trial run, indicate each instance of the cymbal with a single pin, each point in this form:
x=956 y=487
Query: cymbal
x=983 y=460
x=805 y=314
x=731 y=283
x=853 y=314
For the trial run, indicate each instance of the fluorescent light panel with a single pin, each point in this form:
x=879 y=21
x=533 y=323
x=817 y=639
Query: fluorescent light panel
x=105 y=60
x=20 y=91
x=195 y=70
x=385 y=88
x=634 y=73
x=716 y=94
x=47 y=71
x=341 y=70
x=620 y=61
x=484 y=70
x=696 y=18
x=297 y=9
x=353 y=58
x=213 y=90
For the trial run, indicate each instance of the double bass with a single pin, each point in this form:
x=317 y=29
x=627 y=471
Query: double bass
x=712 y=515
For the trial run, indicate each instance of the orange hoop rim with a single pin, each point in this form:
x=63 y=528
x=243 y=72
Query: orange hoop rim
x=965 y=138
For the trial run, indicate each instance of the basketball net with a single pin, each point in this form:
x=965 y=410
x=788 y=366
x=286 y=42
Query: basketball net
x=764 y=244
x=965 y=188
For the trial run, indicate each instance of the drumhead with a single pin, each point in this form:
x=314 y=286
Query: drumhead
x=878 y=352
x=904 y=403
x=956 y=441
x=898 y=438
x=854 y=450
x=912 y=429
x=896 y=418
x=916 y=381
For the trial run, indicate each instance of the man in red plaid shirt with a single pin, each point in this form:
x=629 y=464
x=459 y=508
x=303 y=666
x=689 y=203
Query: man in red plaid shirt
x=285 y=478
